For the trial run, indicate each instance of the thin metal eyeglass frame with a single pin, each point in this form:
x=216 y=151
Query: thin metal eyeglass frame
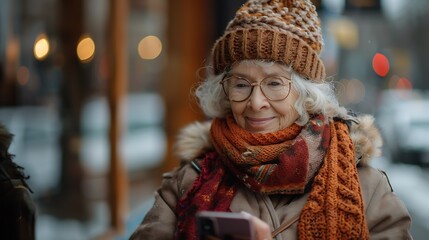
x=254 y=84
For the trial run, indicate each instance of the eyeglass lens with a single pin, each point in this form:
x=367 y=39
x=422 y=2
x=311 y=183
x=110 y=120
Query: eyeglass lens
x=273 y=87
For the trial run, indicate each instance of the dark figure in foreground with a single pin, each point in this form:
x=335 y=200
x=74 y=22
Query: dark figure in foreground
x=17 y=209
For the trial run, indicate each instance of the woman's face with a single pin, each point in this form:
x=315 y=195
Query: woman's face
x=258 y=114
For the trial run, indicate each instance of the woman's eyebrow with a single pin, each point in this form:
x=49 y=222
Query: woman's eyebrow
x=239 y=74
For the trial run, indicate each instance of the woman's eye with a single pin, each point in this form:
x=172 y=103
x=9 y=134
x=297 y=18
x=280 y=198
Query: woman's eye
x=274 y=83
x=240 y=83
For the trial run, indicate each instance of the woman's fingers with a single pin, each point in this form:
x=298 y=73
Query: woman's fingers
x=263 y=231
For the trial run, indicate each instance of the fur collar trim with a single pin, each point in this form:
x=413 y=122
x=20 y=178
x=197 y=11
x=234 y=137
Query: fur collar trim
x=194 y=139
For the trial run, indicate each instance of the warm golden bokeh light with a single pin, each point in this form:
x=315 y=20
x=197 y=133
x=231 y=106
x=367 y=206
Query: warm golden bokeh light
x=149 y=47
x=41 y=47
x=85 y=49
x=345 y=32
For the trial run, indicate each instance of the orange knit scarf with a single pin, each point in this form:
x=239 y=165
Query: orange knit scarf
x=334 y=209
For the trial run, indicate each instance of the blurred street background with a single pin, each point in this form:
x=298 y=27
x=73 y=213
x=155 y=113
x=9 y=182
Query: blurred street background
x=96 y=91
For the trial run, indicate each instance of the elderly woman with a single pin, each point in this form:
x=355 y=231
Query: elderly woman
x=278 y=146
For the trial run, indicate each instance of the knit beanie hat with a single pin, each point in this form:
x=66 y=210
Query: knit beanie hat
x=286 y=31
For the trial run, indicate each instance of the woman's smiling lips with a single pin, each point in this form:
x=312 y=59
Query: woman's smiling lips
x=258 y=123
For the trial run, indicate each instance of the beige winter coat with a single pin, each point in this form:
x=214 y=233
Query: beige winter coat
x=386 y=215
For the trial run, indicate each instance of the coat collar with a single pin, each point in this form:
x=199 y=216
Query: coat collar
x=194 y=139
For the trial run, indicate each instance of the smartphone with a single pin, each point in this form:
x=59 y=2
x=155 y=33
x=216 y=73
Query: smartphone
x=224 y=225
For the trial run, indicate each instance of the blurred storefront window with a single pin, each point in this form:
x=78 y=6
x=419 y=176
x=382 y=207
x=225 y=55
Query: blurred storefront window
x=34 y=108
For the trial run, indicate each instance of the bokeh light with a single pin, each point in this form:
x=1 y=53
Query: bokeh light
x=149 y=47
x=404 y=84
x=345 y=32
x=380 y=64
x=41 y=47
x=85 y=49
x=400 y=83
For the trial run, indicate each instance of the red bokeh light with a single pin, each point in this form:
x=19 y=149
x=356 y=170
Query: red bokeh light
x=380 y=64
x=404 y=83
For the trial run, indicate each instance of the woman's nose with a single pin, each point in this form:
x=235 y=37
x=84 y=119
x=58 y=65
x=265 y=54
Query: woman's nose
x=257 y=99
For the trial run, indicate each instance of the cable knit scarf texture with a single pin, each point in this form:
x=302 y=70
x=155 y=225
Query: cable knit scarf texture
x=282 y=162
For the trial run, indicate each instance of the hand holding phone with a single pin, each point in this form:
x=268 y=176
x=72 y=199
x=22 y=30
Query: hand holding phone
x=225 y=225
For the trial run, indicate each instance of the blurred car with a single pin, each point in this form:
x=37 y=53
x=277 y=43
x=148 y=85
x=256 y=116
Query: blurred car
x=404 y=122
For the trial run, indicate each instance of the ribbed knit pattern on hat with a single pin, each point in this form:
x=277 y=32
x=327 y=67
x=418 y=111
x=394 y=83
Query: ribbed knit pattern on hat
x=276 y=30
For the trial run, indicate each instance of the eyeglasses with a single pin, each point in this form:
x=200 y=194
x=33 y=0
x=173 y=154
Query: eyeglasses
x=239 y=89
